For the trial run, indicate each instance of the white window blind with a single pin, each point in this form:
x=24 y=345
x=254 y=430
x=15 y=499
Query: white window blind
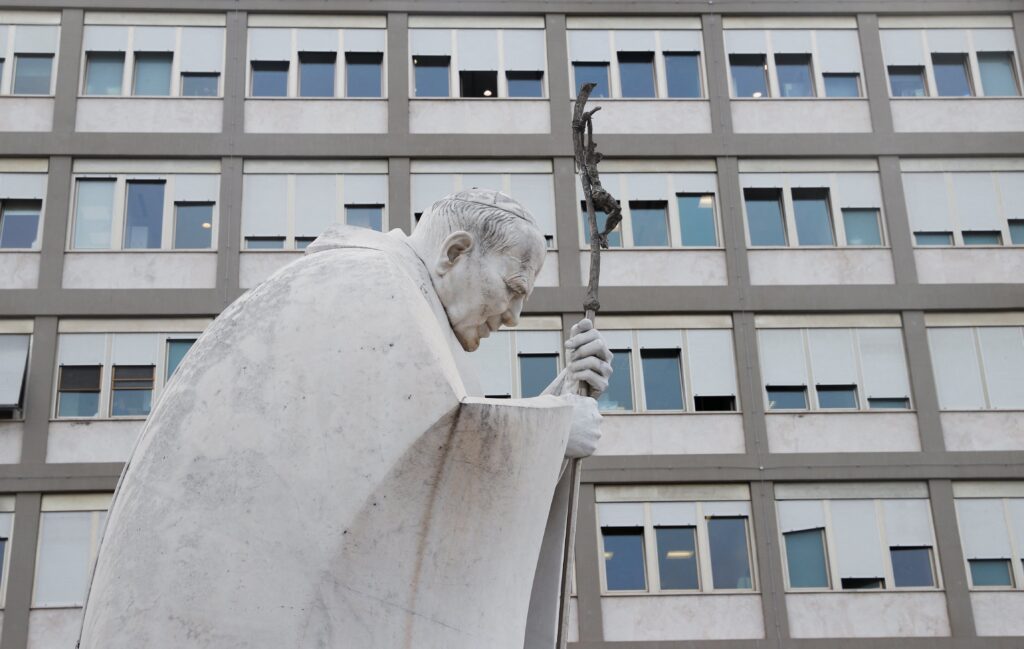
x=524 y=49
x=197 y=188
x=430 y=42
x=1015 y=508
x=620 y=514
x=798 y=515
x=264 y=204
x=839 y=50
x=782 y=357
x=105 y=38
x=16 y=185
x=745 y=41
x=618 y=339
x=902 y=47
x=1011 y=189
x=366 y=189
x=317 y=40
x=993 y=40
x=316 y=203
x=135 y=349
x=927 y=202
x=726 y=508
x=478 y=49
x=154 y=39
x=674 y=514
x=270 y=44
x=589 y=45
x=634 y=40
x=202 y=49
x=857 y=541
x=537 y=194
x=859 y=190
x=538 y=342
x=82 y=349
x=1002 y=352
x=641 y=187
x=678 y=40
x=65 y=553
x=35 y=39
x=908 y=523
x=883 y=363
x=493 y=360
x=712 y=364
x=660 y=339
x=13 y=359
x=957 y=374
x=364 y=40
x=983 y=528
x=947 y=40
x=832 y=356
x=428 y=188
x=974 y=195
x=791 y=41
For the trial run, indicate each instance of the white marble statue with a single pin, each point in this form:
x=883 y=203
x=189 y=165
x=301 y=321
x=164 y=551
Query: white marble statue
x=319 y=472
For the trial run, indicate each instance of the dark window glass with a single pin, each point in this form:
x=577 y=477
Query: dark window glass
x=889 y=404
x=536 y=372
x=145 y=214
x=998 y=74
x=32 y=74
x=697 y=219
x=982 y=238
x=862 y=583
x=663 y=383
x=132 y=390
x=861 y=226
x=636 y=74
x=805 y=557
x=316 y=74
x=787 y=397
x=912 y=567
x=19 y=223
x=764 y=217
x=677 y=557
x=1017 y=232
x=152 y=74
x=199 y=84
x=990 y=572
x=78 y=392
x=365 y=216
x=478 y=83
x=717 y=403
x=525 y=84
x=682 y=71
x=3 y=555
x=650 y=223
x=794 y=72
x=363 y=74
x=842 y=85
x=270 y=78
x=103 y=71
x=176 y=350
x=812 y=216
x=193 y=225
x=624 y=558
x=730 y=556
x=951 y=78
x=619 y=395
x=264 y=243
x=933 y=238
x=614 y=237
x=906 y=80
x=431 y=74
x=837 y=396
x=749 y=75
x=592 y=73
x=301 y=243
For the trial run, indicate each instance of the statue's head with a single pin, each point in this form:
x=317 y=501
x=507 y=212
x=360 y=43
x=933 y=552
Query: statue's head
x=483 y=251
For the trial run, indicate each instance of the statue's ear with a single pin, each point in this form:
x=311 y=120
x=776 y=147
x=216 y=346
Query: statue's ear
x=455 y=246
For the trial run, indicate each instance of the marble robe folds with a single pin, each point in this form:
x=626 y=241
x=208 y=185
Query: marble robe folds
x=316 y=475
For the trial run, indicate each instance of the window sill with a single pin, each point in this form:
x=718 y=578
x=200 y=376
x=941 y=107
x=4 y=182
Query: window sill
x=17 y=250
x=756 y=248
x=315 y=98
x=658 y=99
x=14 y=96
x=797 y=99
x=1011 y=97
x=79 y=420
x=677 y=593
x=842 y=411
x=659 y=249
x=140 y=251
x=479 y=99
x=150 y=97
x=1000 y=246
x=867 y=591
x=669 y=413
x=975 y=411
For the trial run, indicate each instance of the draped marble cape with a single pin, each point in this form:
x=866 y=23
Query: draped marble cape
x=317 y=474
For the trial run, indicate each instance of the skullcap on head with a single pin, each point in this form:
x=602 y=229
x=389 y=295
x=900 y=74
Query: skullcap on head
x=491 y=198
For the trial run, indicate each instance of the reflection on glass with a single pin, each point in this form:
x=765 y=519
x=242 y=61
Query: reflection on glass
x=787 y=397
x=32 y=74
x=363 y=74
x=951 y=78
x=78 y=392
x=264 y=243
x=619 y=395
x=842 y=85
x=94 y=210
x=144 y=214
x=132 y=390
x=861 y=227
x=103 y=71
x=624 y=558
x=813 y=220
x=805 y=557
x=697 y=219
x=614 y=237
x=677 y=557
x=1017 y=231
x=794 y=72
x=906 y=80
x=152 y=74
x=536 y=372
x=933 y=238
x=663 y=385
x=592 y=73
x=837 y=396
x=524 y=84
x=193 y=225
x=636 y=74
x=998 y=78
x=199 y=84
x=764 y=217
x=270 y=78
x=888 y=403
x=176 y=350
x=912 y=567
x=316 y=74
x=650 y=223
x=749 y=75
x=982 y=238
x=730 y=556
x=682 y=71
x=990 y=572
x=431 y=76
x=19 y=223
x=365 y=216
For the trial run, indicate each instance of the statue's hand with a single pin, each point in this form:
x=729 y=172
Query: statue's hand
x=586 y=427
x=589 y=358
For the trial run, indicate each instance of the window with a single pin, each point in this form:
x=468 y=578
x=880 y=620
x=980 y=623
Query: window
x=431 y=74
x=764 y=217
x=730 y=553
x=982 y=238
x=636 y=74
x=624 y=558
x=619 y=395
x=269 y=78
x=32 y=74
x=200 y=84
x=153 y=74
x=144 y=214
x=517 y=363
x=834 y=368
x=805 y=553
x=68 y=542
x=697 y=219
x=813 y=220
x=193 y=225
x=1016 y=231
x=103 y=73
x=650 y=223
x=132 y=390
x=537 y=372
x=933 y=238
x=988 y=573
x=592 y=73
x=94 y=208
x=907 y=80
x=998 y=74
x=991 y=526
x=963 y=208
x=951 y=77
x=677 y=557
x=301 y=243
x=271 y=243
x=13 y=369
x=363 y=74
x=365 y=216
x=749 y=75
x=19 y=223
x=682 y=71
x=525 y=84
x=176 y=350
x=614 y=237
x=862 y=227
x=912 y=567
x=794 y=73
x=478 y=83
x=6 y=528
x=841 y=85
x=79 y=391
x=978 y=368
x=316 y=74
x=663 y=383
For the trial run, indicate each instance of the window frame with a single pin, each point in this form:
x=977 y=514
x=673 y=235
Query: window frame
x=97 y=521
x=1003 y=215
x=9 y=56
x=5 y=205
x=979 y=356
x=516 y=353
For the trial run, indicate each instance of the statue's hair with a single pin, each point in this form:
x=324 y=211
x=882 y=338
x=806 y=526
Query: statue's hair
x=496 y=221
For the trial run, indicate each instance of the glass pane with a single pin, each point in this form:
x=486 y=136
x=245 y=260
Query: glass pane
x=1017 y=232
x=730 y=558
x=805 y=556
x=301 y=243
x=787 y=398
x=592 y=73
x=525 y=84
x=794 y=72
x=362 y=74
x=365 y=216
x=3 y=553
x=316 y=74
x=619 y=395
x=431 y=76
x=982 y=238
x=103 y=73
x=78 y=404
x=663 y=383
x=199 y=85
x=269 y=78
x=813 y=219
x=94 y=210
x=861 y=227
x=677 y=557
x=264 y=243
x=536 y=372
x=697 y=219
x=842 y=85
x=906 y=81
x=19 y=223
x=837 y=396
x=912 y=567
x=131 y=403
x=624 y=558
x=62 y=568
x=997 y=75
x=152 y=74
x=682 y=71
x=478 y=83
x=889 y=404
x=748 y=75
x=144 y=215
x=176 y=350
x=764 y=217
x=650 y=225
x=32 y=74
x=614 y=237
x=951 y=75
x=636 y=74
x=193 y=226
x=933 y=238
x=80 y=377
x=990 y=572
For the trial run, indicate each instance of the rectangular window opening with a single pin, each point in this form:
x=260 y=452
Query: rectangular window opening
x=431 y=76
x=193 y=226
x=862 y=227
x=862 y=583
x=32 y=74
x=991 y=573
x=888 y=403
x=94 y=213
x=536 y=372
x=636 y=74
x=614 y=237
x=132 y=390
x=805 y=558
x=264 y=243
x=998 y=74
x=270 y=78
x=365 y=216
x=176 y=350
x=764 y=216
x=624 y=558
x=907 y=80
x=316 y=74
x=363 y=74
x=982 y=238
x=787 y=397
x=525 y=84
x=837 y=396
x=912 y=567
x=663 y=382
x=650 y=223
x=677 y=557
x=730 y=553
x=78 y=390
x=144 y=214
x=200 y=84
x=714 y=403
x=592 y=73
x=813 y=217
x=478 y=83
x=682 y=72
x=619 y=395
x=697 y=220
x=749 y=75
x=19 y=223
x=841 y=85
x=951 y=76
x=933 y=238
x=1016 y=231
x=794 y=73
x=103 y=73
x=152 y=74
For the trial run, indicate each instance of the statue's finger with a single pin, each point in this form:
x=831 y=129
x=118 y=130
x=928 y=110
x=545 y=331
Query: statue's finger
x=591 y=363
x=582 y=339
x=596 y=382
x=595 y=347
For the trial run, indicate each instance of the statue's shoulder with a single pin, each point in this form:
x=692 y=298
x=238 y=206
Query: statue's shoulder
x=341 y=237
